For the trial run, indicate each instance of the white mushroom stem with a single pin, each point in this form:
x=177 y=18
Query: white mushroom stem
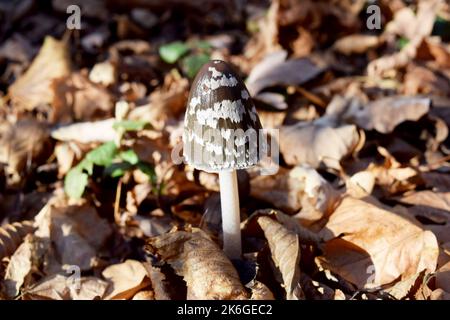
x=231 y=219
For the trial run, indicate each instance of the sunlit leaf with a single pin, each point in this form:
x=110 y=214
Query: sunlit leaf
x=171 y=52
x=103 y=155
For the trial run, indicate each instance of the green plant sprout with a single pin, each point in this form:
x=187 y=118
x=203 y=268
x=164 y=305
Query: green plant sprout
x=116 y=162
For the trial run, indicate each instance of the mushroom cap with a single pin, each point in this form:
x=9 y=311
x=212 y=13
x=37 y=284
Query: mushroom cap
x=221 y=125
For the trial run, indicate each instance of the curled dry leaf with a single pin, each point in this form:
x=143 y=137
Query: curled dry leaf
x=87 y=132
x=385 y=114
x=274 y=69
x=19 y=267
x=127 y=279
x=60 y=287
x=356 y=44
x=285 y=248
x=12 y=235
x=376 y=245
x=291 y=223
x=290 y=190
x=205 y=268
x=317 y=142
x=34 y=87
x=407 y=288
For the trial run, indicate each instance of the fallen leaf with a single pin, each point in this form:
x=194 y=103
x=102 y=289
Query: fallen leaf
x=18 y=268
x=443 y=277
x=205 y=268
x=356 y=44
x=22 y=144
x=317 y=142
x=12 y=235
x=387 y=245
x=274 y=69
x=260 y=291
x=285 y=249
x=127 y=279
x=59 y=287
x=34 y=87
x=407 y=288
x=87 y=132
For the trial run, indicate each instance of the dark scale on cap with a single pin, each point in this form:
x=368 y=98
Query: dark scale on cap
x=221 y=129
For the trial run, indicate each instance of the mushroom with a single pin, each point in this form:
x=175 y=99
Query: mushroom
x=221 y=133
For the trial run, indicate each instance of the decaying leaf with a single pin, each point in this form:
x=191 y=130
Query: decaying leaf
x=385 y=114
x=12 y=235
x=34 y=87
x=60 y=287
x=18 y=268
x=317 y=142
x=127 y=279
x=407 y=288
x=290 y=190
x=205 y=268
x=87 y=132
x=22 y=144
x=356 y=44
x=376 y=245
x=274 y=69
x=285 y=248
x=76 y=232
x=259 y=291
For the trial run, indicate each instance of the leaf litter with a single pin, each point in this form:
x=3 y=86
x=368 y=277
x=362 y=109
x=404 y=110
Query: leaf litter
x=94 y=206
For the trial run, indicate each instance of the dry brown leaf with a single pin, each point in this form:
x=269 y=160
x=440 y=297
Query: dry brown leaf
x=205 y=268
x=259 y=291
x=439 y=294
x=78 y=98
x=34 y=87
x=164 y=105
x=59 y=287
x=127 y=279
x=19 y=267
x=291 y=223
x=317 y=142
x=437 y=200
x=144 y=295
x=274 y=69
x=415 y=27
x=22 y=144
x=407 y=288
x=87 y=132
x=290 y=190
x=76 y=232
x=12 y=235
x=443 y=277
x=356 y=44
x=384 y=245
x=385 y=114
x=285 y=248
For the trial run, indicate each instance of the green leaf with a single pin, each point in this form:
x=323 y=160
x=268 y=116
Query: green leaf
x=402 y=42
x=116 y=170
x=130 y=125
x=129 y=156
x=171 y=52
x=192 y=63
x=75 y=182
x=103 y=155
x=86 y=165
